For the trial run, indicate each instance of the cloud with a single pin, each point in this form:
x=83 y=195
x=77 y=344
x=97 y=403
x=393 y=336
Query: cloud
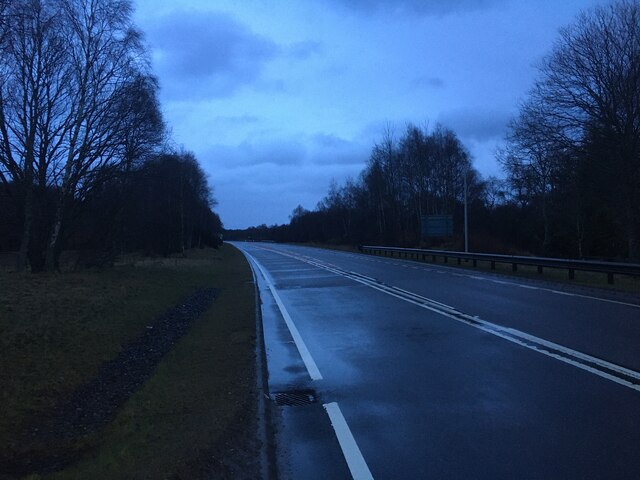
x=235 y=120
x=419 y=7
x=319 y=150
x=429 y=82
x=264 y=179
x=476 y=123
x=282 y=153
x=208 y=54
x=304 y=50
x=255 y=194
x=329 y=149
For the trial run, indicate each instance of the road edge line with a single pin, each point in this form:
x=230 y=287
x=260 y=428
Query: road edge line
x=352 y=454
x=309 y=362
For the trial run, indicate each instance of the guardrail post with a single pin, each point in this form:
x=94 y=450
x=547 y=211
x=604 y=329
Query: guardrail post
x=493 y=265
x=475 y=263
x=433 y=258
x=424 y=257
x=610 y=278
x=514 y=267
x=572 y=274
x=459 y=261
x=446 y=259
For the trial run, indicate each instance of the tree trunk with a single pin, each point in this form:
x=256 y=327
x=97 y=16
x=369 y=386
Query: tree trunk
x=51 y=261
x=22 y=260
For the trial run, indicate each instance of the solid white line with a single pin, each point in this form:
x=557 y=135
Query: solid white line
x=447 y=270
x=522 y=338
x=312 y=368
x=497 y=330
x=357 y=465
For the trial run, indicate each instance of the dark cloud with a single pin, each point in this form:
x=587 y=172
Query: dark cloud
x=420 y=7
x=208 y=54
x=330 y=149
x=479 y=124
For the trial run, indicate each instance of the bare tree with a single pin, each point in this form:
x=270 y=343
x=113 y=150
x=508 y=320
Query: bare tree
x=585 y=103
x=33 y=75
x=105 y=55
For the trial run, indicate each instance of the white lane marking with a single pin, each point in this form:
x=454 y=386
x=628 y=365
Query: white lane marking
x=357 y=465
x=287 y=270
x=499 y=282
x=308 y=360
x=512 y=335
x=503 y=332
x=516 y=284
x=558 y=292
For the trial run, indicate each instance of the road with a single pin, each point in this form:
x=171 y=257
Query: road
x=424 y=371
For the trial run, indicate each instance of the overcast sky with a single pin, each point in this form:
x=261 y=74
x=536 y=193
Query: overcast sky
x=278 y=97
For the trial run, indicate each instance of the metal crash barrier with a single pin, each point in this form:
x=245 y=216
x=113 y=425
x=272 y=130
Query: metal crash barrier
x=608 y=268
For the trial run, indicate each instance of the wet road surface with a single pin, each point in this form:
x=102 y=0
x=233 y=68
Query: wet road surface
x=422 y=371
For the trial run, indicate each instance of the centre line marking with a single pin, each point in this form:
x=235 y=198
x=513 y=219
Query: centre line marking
x=355 y=461
x=597 y=366
x=308 y=360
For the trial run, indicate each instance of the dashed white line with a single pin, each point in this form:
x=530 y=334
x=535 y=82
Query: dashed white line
x=544 y=289
x=355 y=461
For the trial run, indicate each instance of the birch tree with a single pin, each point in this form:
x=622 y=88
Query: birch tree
x=32 y=90
x=105 y=55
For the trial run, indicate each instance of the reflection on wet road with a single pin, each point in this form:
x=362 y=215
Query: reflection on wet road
x=421 y=371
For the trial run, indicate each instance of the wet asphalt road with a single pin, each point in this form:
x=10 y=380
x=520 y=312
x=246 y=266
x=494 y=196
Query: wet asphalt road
x=428 y=390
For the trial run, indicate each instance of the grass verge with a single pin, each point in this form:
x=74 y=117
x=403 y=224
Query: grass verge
x=56 y=330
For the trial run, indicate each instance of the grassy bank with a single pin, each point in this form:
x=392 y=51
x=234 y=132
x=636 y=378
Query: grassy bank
x=56 y=330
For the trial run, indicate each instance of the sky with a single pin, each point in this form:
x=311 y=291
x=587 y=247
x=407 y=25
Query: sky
x=278 y=98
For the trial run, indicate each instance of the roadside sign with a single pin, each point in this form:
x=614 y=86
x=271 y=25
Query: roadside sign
x=437 y=226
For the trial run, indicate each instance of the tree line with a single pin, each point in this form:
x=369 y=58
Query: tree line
x=85 y=161
x=571 y=160
x=573 y=153
x=419 y=172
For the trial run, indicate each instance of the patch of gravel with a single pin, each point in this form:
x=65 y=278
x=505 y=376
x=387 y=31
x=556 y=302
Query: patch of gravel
x=90 y=407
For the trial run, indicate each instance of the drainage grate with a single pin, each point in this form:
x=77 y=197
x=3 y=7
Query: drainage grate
x=295 y=398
